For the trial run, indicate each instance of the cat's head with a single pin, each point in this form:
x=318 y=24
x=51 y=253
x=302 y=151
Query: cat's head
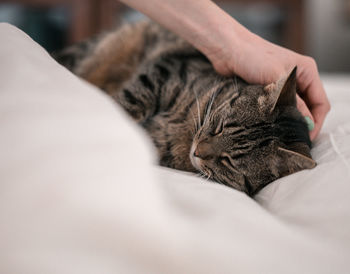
x=252 y=135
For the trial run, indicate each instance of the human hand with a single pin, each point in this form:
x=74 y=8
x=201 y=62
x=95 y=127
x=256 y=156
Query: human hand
x=259 y=61
x=232 y=49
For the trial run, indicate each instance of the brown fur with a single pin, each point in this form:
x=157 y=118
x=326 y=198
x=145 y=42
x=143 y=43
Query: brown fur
x=241 y=135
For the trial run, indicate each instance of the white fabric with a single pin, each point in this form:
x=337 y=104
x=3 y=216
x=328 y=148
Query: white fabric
x=79 y=192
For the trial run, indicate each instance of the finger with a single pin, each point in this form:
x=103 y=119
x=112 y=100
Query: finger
x=316 y=99
x=304 y=110
x=319 y=113
x=314 y=96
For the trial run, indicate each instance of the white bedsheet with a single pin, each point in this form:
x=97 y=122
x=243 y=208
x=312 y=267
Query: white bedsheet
x=80 y=193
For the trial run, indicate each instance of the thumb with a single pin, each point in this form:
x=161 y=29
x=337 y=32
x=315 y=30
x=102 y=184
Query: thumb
x=302 y=107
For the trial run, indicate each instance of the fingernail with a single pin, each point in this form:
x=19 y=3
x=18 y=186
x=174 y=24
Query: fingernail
x=310 y=123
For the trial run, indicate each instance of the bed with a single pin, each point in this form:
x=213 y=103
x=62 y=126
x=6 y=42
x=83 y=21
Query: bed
x=80 y=191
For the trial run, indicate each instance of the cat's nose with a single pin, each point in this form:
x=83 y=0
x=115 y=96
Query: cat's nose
x=204 y=150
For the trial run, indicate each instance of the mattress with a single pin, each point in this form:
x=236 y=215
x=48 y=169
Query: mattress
x=80 y=191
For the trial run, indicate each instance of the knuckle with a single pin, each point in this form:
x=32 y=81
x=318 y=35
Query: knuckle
x=311 y=62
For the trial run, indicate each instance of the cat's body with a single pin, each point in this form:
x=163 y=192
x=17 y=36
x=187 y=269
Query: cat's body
x=238 y=134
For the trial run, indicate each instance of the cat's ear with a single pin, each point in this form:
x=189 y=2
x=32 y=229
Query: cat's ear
x=283 y=92
x=300 y=148
x=294 y=161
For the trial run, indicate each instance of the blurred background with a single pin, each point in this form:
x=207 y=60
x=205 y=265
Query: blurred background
x=319 y=28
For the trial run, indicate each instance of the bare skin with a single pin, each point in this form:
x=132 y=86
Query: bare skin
x=233 y=49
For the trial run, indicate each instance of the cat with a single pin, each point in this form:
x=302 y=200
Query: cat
x=240 y=135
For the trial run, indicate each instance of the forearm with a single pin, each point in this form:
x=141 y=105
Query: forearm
x=201 y=22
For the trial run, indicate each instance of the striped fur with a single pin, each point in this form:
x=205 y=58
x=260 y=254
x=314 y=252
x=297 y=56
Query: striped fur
x=244 y=136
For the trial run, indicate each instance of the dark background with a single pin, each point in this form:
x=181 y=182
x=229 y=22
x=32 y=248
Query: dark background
x=319 y=28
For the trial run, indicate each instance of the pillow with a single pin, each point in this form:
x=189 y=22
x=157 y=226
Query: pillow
x=79 y=191
x=67 y=152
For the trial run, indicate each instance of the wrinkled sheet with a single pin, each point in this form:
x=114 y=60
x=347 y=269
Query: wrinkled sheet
x=80 y=193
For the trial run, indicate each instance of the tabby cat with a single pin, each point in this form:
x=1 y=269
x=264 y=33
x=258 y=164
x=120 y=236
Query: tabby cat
x=241 y=135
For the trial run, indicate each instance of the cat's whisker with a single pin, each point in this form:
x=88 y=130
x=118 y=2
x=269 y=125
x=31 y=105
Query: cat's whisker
x=211 y=101
x=198 y=109
x=205 y=177
x=201 y=175
x=219 y=108
x=207 y=111
x=235 y=84
x=209 y=176
x=196 y=127
x=207 y=173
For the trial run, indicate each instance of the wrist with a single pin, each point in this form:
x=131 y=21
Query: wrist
x=228 y=44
